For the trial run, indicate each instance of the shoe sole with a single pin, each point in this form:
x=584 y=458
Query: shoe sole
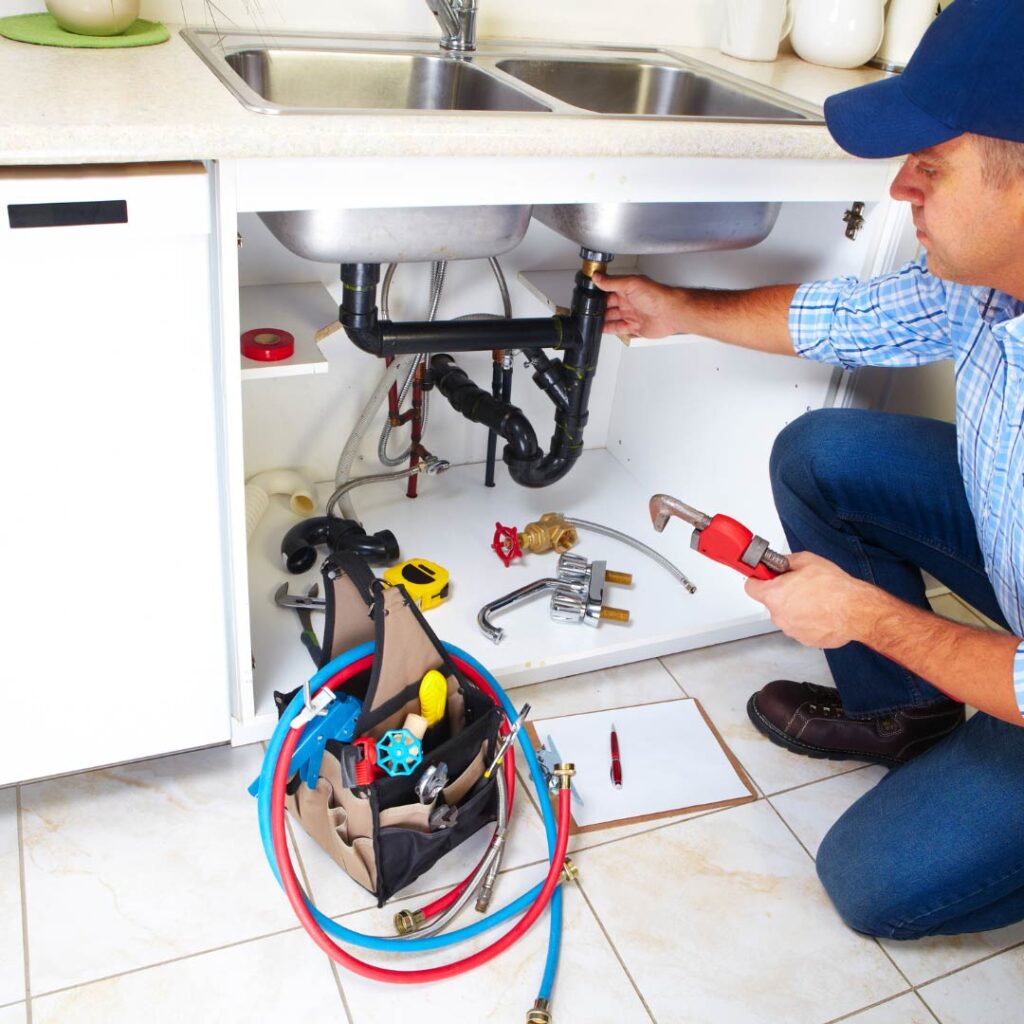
x=780 y=739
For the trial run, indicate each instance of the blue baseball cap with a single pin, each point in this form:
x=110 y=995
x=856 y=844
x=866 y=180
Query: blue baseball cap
x=966 y=75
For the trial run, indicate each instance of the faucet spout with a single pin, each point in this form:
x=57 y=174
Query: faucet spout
x=457 y=19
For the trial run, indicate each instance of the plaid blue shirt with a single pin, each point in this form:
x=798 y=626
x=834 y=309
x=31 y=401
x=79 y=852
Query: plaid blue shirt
x=908 y=318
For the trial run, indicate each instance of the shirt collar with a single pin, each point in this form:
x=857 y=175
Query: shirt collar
x=996 y=307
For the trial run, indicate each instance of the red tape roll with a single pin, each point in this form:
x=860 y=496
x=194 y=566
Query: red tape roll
x=267 y=344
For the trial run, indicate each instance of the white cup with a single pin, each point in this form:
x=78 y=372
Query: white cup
x=754 y=28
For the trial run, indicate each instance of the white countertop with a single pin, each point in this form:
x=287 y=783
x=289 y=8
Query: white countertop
x=160 y=103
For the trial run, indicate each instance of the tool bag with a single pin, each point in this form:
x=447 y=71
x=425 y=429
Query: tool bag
x=380 y=833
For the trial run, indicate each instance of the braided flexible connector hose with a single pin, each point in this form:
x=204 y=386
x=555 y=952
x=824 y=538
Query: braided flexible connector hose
x=260 y=487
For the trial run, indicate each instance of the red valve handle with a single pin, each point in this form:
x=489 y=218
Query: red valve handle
x=506 y=544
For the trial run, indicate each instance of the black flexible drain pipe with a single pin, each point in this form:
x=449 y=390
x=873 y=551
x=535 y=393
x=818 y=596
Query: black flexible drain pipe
x=565 y=381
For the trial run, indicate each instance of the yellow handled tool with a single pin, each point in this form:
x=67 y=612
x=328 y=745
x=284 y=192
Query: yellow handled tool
x=433 y=696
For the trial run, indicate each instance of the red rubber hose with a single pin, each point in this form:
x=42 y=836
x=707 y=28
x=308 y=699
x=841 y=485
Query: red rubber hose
x=316 y=933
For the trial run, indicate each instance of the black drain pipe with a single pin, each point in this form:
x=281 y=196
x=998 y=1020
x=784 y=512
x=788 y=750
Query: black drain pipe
x=385 y=338
x=565 y=381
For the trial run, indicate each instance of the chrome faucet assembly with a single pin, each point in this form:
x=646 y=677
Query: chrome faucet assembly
x=457 y=19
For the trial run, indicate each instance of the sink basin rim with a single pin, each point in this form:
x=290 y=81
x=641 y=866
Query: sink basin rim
x=212 y=46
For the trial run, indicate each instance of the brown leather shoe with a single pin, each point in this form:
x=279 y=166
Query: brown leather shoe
x=809 y=719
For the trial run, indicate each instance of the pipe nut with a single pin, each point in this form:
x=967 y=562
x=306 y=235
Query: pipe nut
x=408 y=921
x=570 y=872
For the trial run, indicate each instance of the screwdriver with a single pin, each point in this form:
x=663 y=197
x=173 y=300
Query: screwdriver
x=721 y=538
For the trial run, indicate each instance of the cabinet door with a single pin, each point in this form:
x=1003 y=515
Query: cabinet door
x=115 y=638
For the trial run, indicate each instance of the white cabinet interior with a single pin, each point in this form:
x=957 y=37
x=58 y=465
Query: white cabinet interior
x=116 y=646
x=687 y=416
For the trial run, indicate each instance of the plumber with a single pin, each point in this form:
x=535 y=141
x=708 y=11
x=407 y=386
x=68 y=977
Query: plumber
x=868 y=499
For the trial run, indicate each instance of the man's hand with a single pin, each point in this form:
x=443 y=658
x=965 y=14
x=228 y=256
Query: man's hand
x=816 y=602
x=755 y=318
x=640 y=307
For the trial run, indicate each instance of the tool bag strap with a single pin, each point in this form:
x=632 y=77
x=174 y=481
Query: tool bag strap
x=348 y=600
x=360 y=607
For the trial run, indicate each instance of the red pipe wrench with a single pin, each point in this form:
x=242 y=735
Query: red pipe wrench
x=722 y=539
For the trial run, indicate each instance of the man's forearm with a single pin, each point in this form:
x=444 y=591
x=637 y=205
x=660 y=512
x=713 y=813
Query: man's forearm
x=972 y=665
x=756 y=318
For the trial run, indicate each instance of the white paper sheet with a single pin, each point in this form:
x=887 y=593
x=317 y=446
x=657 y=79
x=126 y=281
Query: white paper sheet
x=670 y=760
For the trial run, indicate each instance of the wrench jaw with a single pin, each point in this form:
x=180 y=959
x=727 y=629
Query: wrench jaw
x=663 y=506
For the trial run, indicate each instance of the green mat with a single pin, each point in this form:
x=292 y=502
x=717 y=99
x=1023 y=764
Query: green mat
x=43 y=29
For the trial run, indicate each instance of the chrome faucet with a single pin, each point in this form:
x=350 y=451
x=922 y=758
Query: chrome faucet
x=457 y=19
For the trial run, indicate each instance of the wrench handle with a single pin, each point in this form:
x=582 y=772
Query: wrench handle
x=725 y=540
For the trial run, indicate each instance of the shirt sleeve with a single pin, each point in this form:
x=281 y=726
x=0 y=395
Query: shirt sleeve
x=898 y=319
x=1018 y=677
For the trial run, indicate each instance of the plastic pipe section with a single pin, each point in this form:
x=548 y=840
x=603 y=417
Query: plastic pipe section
x=299 y=546
x=565 y=381
x=260 y=487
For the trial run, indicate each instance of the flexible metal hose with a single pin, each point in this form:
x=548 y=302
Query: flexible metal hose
x=490 y=859
x=585 y=524
x=339 y=492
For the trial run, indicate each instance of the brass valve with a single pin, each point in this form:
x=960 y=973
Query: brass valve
x=549 y=533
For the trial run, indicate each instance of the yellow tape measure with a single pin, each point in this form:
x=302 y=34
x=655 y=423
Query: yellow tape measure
x=425 y=582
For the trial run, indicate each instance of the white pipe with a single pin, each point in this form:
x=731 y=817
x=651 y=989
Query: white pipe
x=260 y=487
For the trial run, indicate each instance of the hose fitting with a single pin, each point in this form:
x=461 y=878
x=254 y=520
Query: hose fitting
x=408 y=921
x=564 y=771
x=540 y=1013
x=570 y=872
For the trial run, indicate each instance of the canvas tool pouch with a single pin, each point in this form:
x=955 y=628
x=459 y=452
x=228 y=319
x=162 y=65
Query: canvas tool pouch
x=381 y=834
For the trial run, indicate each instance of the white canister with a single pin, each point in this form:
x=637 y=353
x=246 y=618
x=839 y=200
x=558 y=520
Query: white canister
x=94 y=17
x=905 y=23
x=837 y=33
x=754 y=28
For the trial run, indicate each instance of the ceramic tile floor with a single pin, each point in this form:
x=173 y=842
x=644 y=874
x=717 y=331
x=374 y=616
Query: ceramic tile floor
x=140 y=893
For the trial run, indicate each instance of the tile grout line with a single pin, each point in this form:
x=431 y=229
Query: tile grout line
x=673 y=678
x=870 y=1006
x=924 y=1002
x=308 y=887
x=24 y=905
x=166 y=963
x=814 y=861
x=615 y=950
x=965 y=967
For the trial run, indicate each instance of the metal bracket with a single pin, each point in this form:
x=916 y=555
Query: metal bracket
x=854 y=220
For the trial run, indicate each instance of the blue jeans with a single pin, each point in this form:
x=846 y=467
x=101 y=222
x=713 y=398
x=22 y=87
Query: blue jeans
x=936 y=847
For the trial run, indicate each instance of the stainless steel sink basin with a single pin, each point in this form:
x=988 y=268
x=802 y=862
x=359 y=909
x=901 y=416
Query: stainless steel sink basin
x=402 y=235
x=310 y=79
x=300 y=73
x=640 y=87
x=647 y=229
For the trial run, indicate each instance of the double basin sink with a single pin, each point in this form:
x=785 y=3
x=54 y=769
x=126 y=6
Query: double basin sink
x=290 y=73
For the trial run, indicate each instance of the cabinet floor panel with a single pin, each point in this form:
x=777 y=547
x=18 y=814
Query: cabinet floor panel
x=452 y=523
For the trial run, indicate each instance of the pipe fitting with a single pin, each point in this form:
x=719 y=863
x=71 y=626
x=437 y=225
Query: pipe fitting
x=570 y=872
x=549 y=533
x=540 y=1013
x=299 y=546
x=408 y=921
x=563 y=772
x=260 y=487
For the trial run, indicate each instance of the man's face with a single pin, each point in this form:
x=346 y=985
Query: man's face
x=973 y=231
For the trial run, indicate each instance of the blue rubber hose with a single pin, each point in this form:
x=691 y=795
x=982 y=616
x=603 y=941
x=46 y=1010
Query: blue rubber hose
x=438 y=941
